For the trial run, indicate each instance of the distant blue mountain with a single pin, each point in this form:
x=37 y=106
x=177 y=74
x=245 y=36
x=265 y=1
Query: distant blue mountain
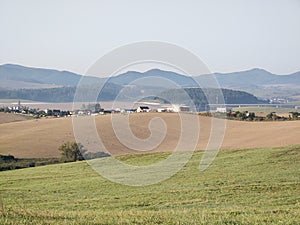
x=255 y=78
x=17 y=73
x=244 y=80
x=256 y=81
x=154 y=78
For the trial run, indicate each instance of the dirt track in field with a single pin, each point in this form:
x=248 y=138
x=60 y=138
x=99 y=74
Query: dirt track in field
x=41 y=138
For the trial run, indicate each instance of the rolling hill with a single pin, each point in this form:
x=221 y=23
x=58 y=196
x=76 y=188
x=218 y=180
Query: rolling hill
x=250 y=78
x=65 y=94
x=202 y=97
x=37 y=76
x=111 y=92
x=255 y=81
x=154 y=78
x=16 y=138
x=249 y=186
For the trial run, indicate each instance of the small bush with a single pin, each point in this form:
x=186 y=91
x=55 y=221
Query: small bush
x=95 y=155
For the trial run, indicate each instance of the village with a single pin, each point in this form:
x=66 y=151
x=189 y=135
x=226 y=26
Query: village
x=91 y=109
x=233 y=112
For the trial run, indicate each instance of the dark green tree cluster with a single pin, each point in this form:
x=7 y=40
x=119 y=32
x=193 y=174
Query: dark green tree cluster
x=250 y=116
x=9 y=162
x=71 y=151
x=295 y=115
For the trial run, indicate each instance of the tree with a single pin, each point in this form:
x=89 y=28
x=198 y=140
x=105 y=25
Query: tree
x=241 y=115
x=97 y=107
x=269 y=116
x=295 y=115
x=49 y=112
x=251 y=116
x=71 y=151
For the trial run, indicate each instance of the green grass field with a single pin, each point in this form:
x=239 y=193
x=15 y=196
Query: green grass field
x=250 y=186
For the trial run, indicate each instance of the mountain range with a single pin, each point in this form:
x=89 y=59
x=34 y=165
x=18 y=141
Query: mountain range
x=16 y=77
x=256 y=81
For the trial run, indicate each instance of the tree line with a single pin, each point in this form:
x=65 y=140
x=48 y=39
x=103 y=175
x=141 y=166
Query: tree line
x=251 y=116
x=69 y=152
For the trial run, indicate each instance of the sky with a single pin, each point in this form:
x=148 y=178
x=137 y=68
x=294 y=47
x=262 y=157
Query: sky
x=227 y=35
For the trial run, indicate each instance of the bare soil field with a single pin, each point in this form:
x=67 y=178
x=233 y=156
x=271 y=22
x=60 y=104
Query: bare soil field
x=9 y=117
x=41 y=138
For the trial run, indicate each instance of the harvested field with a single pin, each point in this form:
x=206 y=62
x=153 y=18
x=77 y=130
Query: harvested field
x=41 y=138
x=9 y=117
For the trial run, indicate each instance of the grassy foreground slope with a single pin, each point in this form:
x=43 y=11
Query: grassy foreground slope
x=250 y=186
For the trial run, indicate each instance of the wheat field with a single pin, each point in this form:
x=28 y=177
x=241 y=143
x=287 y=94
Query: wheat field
x=42 y=137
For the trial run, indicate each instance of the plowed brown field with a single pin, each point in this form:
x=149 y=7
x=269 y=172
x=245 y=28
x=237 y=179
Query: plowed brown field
x=41 y=138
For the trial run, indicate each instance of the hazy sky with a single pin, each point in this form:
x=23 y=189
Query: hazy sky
x=228 y=35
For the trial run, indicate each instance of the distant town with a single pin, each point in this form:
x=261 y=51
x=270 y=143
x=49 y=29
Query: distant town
x=230 y=111
x=90 y=109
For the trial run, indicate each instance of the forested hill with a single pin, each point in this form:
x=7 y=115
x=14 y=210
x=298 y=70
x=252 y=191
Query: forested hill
x=199 y=97
x=64 y=94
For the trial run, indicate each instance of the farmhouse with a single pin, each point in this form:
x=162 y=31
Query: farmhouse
x=143 y=109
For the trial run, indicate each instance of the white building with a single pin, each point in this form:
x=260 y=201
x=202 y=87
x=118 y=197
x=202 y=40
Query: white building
x=223 y=109
x=161 y=110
